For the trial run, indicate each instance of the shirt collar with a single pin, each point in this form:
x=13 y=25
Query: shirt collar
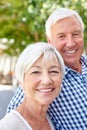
x=83 y=61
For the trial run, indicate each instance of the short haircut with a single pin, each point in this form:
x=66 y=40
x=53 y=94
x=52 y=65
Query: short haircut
x=31 y=54
x=59 y=14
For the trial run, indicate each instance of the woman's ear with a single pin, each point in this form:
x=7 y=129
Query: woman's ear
x=21 y=84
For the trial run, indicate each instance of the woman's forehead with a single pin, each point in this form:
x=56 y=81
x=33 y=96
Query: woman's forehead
x=48 y=59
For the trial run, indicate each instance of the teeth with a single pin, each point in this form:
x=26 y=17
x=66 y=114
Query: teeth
x=45 y=90
x=71 y=52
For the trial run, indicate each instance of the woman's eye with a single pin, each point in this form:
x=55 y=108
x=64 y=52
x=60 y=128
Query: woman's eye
x=35 y=72
x=54 y=72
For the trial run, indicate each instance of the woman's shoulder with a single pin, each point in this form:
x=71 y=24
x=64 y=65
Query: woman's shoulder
x=6 y=120
x=12 y=121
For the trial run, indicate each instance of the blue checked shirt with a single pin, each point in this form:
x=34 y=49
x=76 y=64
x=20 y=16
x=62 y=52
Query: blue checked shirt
x=69 y=110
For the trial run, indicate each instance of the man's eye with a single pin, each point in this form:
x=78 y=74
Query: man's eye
x=76 y=34
x=61 y=36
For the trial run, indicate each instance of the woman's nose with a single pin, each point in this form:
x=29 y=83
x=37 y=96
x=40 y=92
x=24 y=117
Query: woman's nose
x=46 y=79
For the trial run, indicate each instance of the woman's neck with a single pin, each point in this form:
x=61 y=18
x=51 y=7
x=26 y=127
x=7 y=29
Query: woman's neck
x=35 y=117
x=29 y=109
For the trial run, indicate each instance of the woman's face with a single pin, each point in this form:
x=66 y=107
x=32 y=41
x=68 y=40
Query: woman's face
x=42 y=83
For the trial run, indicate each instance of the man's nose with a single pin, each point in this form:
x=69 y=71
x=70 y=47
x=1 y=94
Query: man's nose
x=69 y=41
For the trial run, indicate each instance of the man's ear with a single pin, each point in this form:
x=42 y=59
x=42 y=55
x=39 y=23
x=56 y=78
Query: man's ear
x=48 y=39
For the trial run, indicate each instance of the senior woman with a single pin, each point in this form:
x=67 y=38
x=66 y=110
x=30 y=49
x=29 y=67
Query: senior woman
x=39 y=71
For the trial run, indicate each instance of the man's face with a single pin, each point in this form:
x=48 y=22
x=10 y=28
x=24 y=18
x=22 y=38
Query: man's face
x=68 y=38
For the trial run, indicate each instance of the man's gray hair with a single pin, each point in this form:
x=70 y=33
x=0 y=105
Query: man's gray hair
x=59 y=14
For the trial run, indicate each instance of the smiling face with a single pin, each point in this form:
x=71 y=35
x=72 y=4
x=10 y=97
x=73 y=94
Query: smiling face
x=67 y=37
x=42 y=83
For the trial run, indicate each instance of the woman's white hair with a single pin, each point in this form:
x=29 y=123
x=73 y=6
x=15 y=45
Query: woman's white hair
x=31 y=54
x=59 y=14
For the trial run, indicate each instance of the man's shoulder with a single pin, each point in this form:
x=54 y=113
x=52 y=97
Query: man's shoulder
x=84 y=60
x=84 y=57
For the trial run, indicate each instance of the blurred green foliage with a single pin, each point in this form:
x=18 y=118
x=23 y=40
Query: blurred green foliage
x=22 y=22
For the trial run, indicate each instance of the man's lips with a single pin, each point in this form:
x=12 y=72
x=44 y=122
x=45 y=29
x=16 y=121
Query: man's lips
x=70 y=51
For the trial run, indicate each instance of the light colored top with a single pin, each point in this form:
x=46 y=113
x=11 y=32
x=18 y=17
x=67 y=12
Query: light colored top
x=14 y=121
